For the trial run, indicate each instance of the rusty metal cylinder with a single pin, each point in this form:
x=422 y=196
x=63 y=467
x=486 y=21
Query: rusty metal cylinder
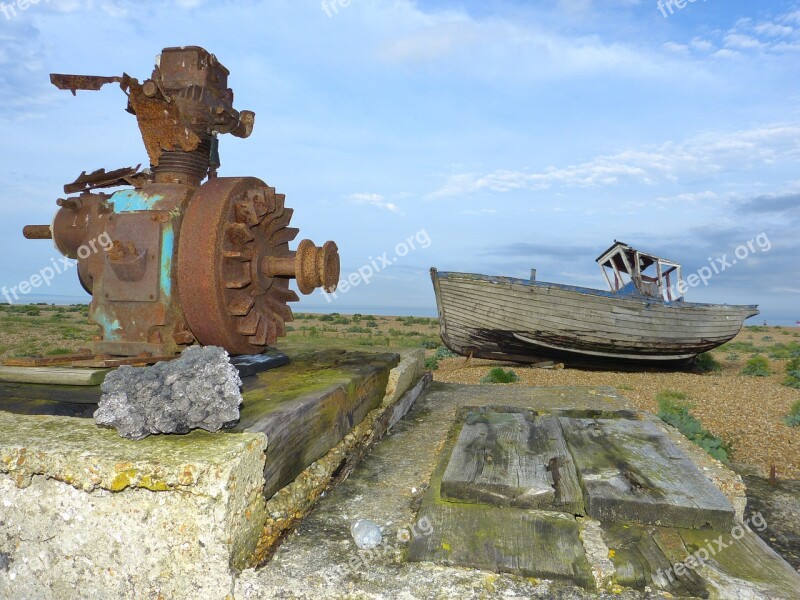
x=312 y=266
x=71 y=228
x=188 y=168
x=37 y=232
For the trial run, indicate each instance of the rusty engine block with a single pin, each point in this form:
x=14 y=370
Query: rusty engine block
x=181 y=256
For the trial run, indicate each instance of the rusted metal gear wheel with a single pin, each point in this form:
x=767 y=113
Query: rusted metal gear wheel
x=232 y=230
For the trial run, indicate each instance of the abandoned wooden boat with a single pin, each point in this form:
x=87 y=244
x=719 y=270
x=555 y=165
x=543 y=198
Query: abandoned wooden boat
x=643 y=318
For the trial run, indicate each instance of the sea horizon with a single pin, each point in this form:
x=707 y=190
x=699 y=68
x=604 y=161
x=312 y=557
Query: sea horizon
x=390 y=311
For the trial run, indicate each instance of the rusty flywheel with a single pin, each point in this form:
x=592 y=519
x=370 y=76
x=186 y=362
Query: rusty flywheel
x=234 y=265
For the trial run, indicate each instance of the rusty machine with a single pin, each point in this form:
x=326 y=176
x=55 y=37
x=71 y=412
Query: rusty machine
x=178 y=255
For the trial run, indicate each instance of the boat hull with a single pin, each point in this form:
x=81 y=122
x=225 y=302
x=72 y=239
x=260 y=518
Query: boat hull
x=513 y=319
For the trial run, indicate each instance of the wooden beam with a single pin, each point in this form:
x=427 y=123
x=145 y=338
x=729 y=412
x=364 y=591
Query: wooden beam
x=512 y=458
x=53 y=375
x=631 y=471
x=44 y=361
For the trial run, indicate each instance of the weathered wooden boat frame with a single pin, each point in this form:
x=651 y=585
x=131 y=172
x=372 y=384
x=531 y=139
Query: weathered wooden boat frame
x=642 y=320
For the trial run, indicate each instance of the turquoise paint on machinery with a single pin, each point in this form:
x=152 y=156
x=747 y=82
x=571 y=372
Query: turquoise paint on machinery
x=111 y=329
x=133 y=200
x=167 y=252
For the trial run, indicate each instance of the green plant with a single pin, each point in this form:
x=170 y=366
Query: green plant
x=443 y=352
x=706 y=363
x=431 y=363
x=429 y=344
x=757 y=367
x=793 y=374
x=673 y=410
x=793 y=418
x=733 y=356
x=672 y=398
x=357 y=329
x=784 y=351
x=499 y=375
x=744 y=347
x=372 y=323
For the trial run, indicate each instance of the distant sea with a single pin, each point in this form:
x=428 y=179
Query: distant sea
x=392 y=311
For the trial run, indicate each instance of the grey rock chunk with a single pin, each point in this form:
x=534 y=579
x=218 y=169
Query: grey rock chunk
x=199 y=390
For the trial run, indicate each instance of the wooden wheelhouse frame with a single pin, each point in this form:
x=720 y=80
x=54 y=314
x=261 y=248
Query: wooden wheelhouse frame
x=650 y=274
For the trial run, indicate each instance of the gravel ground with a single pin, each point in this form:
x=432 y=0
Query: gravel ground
x=747 y=412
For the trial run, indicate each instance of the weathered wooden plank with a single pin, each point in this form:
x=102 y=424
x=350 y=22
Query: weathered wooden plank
x=569 y=294
x=630 y=471
x=697 y=563
x=308 y=406
x=591 y=312
x=640 y=562
x=53 y=375
x=43 y=361
x=492 y=463
x=530 y=543
x=575 y=300
x=27 y=398
x=532 y=316
x=511 y=457
x=113 y=362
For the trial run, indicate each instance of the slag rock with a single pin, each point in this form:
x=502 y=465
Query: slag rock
x=198 y=390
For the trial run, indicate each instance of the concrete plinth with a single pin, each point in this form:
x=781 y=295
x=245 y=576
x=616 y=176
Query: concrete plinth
x=86 y=514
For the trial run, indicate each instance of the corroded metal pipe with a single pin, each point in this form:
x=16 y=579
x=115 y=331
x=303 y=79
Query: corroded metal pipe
x=37 y=232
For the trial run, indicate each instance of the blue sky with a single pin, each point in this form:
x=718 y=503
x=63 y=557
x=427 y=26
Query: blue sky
x=515 y=134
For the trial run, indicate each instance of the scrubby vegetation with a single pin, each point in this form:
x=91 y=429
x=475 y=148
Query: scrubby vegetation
x=793 y=418
x=793 y=374
x=673 y=409
x=758 y=366
x=432 y=362
x=706 y=363
x=500 y=375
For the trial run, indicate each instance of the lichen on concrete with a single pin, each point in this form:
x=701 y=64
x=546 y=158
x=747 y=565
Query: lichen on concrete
x=175 y=515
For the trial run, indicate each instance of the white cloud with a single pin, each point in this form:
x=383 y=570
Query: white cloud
x=689 y=198
x=706 y=154
x=376 y=200
x=773 y=29
x=739 y=41
x=725 y=53
x=676 y=48
x=701 y=44
x=519 y=50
